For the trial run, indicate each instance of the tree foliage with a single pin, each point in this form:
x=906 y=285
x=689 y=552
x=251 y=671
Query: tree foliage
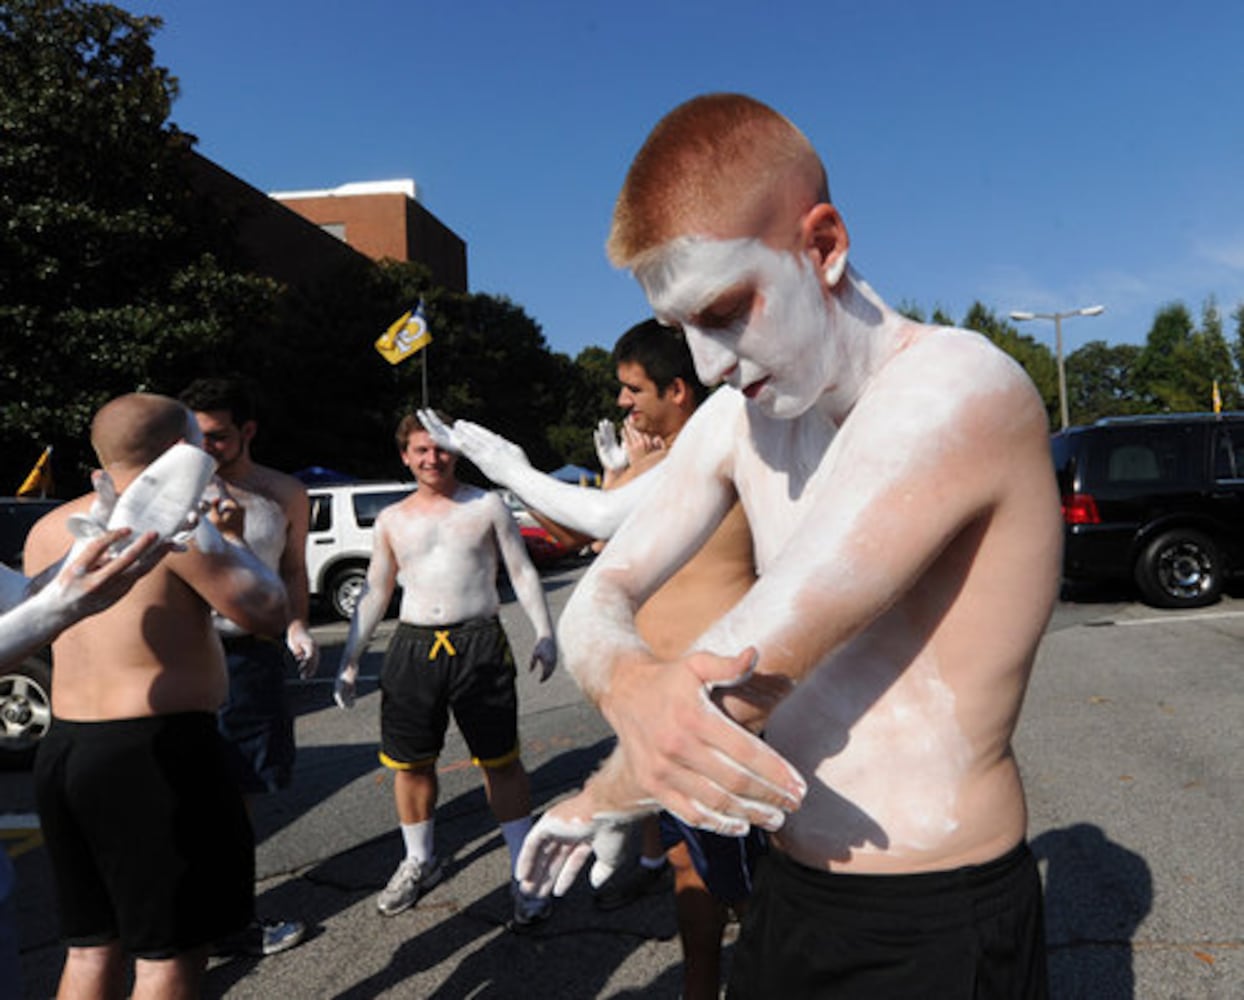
x=112 y=279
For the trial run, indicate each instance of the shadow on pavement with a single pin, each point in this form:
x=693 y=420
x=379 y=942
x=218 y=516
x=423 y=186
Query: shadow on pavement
x=1097 y=892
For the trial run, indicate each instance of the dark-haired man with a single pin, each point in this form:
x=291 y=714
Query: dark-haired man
x=255 y=719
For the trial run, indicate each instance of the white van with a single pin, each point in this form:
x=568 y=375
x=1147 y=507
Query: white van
x=339 y=539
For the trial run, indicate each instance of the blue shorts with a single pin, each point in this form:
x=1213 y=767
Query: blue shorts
x=255 y=719
x=725 y=864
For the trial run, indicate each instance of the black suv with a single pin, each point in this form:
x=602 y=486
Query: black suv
x=1158 y=500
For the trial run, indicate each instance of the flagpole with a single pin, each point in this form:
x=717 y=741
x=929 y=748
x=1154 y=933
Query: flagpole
x=424 y=352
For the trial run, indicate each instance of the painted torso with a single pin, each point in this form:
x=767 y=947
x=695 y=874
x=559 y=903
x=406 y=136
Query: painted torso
x=446 y=554
x=265 y=530
x=903 y=730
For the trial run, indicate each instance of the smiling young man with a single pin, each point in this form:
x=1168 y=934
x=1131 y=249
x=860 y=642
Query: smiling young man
x=449 y=653
x=897 y=481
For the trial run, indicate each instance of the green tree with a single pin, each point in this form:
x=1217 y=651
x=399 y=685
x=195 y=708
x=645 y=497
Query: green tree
x=113 y=277
x=1162 y=375
x=1099 y=381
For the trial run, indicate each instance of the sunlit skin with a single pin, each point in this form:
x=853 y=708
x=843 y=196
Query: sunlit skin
x=897 y=481
x=277 y=518
x=154 y=652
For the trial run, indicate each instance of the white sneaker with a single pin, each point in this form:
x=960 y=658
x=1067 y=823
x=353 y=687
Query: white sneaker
x=409 y=882
x=529 y=909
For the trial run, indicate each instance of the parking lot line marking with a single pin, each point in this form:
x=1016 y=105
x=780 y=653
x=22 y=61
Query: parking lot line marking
x=20 y=832
x=1163 y=619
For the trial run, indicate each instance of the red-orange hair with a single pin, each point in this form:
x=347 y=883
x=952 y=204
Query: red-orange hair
x=715 y=161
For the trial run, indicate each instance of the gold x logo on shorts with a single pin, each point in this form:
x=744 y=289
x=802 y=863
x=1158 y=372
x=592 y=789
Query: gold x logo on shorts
x=442 y=640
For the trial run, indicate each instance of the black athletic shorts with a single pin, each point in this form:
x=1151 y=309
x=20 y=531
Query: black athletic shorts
x=255 y=719
x=147 y=833
x=973 y=932
x=427 y=671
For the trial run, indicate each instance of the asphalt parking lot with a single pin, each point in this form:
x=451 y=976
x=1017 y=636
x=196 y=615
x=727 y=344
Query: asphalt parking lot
x=1130 y=745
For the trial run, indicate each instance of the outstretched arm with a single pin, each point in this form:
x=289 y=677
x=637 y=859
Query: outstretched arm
x=596 y=513
x=84 y=583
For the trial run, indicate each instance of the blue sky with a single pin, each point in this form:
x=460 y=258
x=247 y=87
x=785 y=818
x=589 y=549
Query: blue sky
x=1043 y=157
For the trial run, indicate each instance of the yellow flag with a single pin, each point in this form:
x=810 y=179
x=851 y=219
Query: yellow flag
x=1217 y=398
x=407 y=336
x=39 y=481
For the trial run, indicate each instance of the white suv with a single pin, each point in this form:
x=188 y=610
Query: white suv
x=339 y=539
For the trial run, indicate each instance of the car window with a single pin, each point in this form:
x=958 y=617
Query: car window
x=1228 y=453
x=368 y=505
x=1147 y=455
x=321 y=512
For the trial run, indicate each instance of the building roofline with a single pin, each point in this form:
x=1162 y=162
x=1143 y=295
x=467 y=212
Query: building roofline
x=404 y=186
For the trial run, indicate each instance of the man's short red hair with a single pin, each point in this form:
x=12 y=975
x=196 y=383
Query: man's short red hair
x=709 y=165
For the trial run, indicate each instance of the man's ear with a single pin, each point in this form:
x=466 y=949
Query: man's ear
x=677 y=390
x=825 y=238
x=248 y=431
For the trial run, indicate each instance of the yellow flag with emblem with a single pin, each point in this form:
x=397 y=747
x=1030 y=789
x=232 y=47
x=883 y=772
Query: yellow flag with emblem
x=1217 y=398
x=406 y=336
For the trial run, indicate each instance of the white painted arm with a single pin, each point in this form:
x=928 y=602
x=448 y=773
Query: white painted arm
x=527 y=587
x=88 y=580
x=593 y=512
x=368 y=612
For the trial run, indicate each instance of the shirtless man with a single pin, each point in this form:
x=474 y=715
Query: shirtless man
x=32 y=613
x=449 y=652
x=148 y=837
x=898 y=484
x=255 y=719
x=659 y=392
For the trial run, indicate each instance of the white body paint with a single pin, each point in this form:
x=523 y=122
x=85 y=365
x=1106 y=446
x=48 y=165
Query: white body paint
x=906 y=567
x=443 y=551
x=265 y=530
x=594 y=512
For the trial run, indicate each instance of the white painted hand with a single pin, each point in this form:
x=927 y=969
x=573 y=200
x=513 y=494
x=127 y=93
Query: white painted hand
x=609 y=450
x=493 y=455
x=682 y=751
x=559 y=845
x=94 y=522
x=301 y=643
x=96 y=574
x=545 y=657
x=344 y=687
x=441 y=433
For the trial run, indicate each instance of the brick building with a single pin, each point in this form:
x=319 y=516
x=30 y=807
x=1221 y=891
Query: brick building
x=385 y=219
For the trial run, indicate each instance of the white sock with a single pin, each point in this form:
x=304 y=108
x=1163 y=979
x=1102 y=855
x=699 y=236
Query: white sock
x=418 y=838
x=515 y=832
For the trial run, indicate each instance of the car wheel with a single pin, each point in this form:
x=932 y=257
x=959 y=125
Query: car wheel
x=25 y=710
x=1180 y=569
x=345 y=590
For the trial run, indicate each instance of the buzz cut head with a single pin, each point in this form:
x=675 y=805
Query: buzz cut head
x=719 y=166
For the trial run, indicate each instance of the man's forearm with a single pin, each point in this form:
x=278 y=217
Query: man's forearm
x=368 y=613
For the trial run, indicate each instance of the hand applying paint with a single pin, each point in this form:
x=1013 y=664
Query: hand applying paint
x=686 y=754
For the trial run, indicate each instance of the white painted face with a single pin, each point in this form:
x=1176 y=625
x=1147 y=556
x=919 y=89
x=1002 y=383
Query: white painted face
x=754 y=317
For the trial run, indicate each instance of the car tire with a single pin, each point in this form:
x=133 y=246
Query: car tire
x=344 y=590
x=1180 y=569
x=25 y=711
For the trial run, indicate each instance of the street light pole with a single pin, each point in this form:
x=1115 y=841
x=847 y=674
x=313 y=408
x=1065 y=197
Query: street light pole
x=1058 y=318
